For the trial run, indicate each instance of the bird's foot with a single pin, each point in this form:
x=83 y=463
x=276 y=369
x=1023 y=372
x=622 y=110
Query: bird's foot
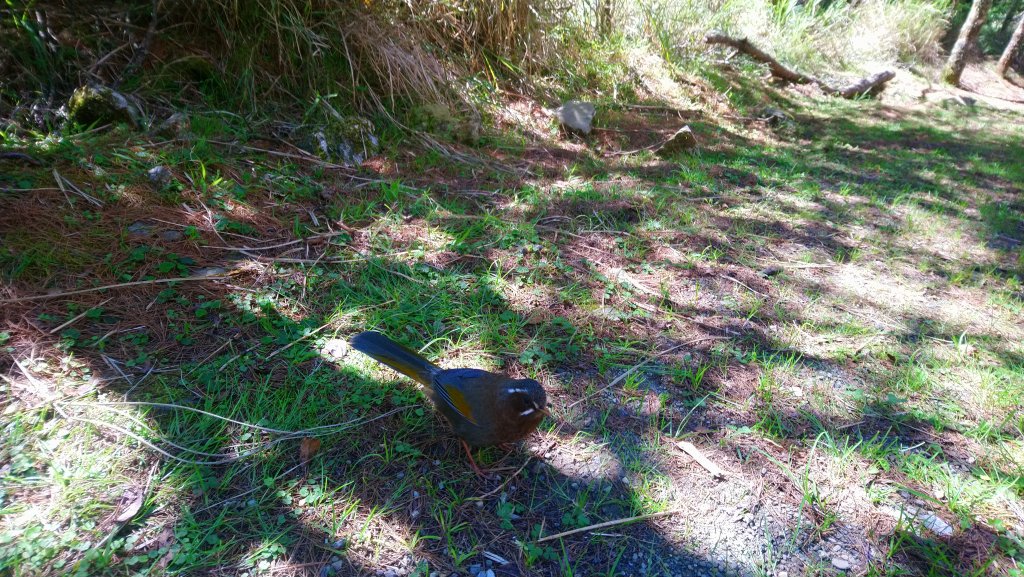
x=472 y=462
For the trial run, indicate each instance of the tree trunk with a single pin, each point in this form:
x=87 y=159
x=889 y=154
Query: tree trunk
x=1011 y=47
x=968 y=36
x=604 y=10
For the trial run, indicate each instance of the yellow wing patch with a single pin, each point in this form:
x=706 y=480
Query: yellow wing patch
x=458 y=402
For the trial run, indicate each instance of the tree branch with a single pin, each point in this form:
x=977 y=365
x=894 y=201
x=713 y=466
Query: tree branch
x=863 y=86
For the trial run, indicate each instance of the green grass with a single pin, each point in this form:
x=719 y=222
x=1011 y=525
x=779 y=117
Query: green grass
x=878 y=367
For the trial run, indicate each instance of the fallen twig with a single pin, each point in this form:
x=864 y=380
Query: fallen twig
x=222 y=458
x=40 y=388
x=606 y=524
x=729 y=278
x=313 y=238
x=65 y=184
x=303 y=337
x=77 y=317
x=111 y=286
x=691 y=450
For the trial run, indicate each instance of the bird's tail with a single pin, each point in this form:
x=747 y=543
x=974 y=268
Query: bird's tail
x=394 y=355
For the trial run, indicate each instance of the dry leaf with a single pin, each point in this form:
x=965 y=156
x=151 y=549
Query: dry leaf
x=308 y=447
x=132 y=500
x=165 y=560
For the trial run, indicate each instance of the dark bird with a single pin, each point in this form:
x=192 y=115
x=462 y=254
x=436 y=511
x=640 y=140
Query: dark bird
x=483 y=408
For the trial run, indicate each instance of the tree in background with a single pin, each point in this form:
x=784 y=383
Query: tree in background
x=967 y=38
x=1011 y=47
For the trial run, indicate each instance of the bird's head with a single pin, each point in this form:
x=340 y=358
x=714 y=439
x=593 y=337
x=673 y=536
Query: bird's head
x=525 y=399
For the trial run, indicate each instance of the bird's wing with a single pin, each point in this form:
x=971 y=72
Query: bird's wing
x=449 y=391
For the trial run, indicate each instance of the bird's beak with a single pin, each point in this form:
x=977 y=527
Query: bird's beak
x=544 y=412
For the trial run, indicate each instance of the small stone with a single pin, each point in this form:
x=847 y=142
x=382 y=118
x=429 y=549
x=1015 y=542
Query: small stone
x=681 y=141
x=251 y=502
x=841 y=564
x=415 y=494
x=773 y=116
x=140 y=228
x=476 y=568
x=436 y=462
x=209 y=271
x=576 y=116
x=170 y=235
x=338 y=565
x=174 y=126
x=159 y=176
x=334 y=349
x=339 y=544
x=935 y=524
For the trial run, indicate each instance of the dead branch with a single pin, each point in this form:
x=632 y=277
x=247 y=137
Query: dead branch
x=867 y=85
x=609 y=524
x=744 y=46
x=863 y=86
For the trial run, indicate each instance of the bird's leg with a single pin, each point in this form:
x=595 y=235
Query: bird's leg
x=472 y=462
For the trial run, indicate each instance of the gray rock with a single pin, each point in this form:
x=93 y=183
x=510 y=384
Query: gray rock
x=175 y=126
x=159 y=176
x=959 y=101
x=773 y=116
x=347 y=140
x=681 y=141
x=576 y=116
x=474 y=569
x=101 y=105
x=841 y=564
x=170 y=235
x=209 y=271
x=140 y=228
x=934 y=523
x=339 y=544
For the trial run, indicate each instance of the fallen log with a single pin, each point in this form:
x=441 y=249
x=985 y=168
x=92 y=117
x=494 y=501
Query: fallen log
x=863 y=86
x=867 y=85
